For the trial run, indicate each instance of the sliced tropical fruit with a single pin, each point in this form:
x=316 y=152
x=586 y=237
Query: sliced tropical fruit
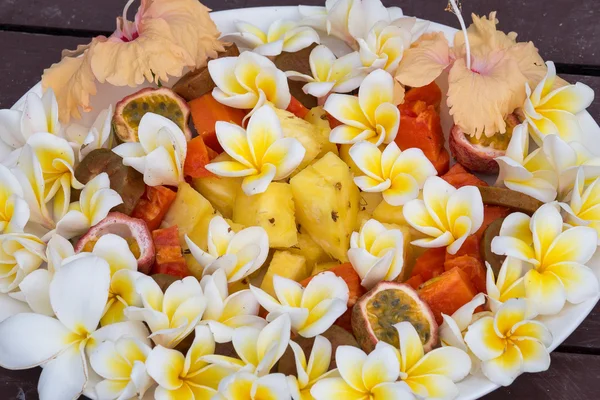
x=388 y=303
x=163 y=101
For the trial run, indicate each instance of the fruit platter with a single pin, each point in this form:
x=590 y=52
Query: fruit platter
x=295 y=203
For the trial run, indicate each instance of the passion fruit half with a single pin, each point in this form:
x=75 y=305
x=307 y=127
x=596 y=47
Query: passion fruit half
x=134 y=230
x=389 y=303
x=163 y=101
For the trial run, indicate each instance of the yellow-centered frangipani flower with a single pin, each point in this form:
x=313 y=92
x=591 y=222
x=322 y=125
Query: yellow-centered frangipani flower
x=372 y=116
x=330 y=74
x=20 y=254
x=225 y=312
x=308 y=373
x=376 y=253
x=583 y=208
x=383 y=46
x=554 y=112
x=258 y=349
x=282 y=35
x=509 y=344
x=160 y=152
x=313 y=309
x=14 y=211
x=454 y=327
x=398 y=175
x=248 y=82
x=78 y=294
x=45 y=170
x=97 y=136
x=260 y=153
x=171 y=316
x=238 y=254
x=446 y=214
x=121 y=364
x=510 y=283
x=188 y=377
x=363 y=376
x=95 y=202
x=246 y=386
x=557 y=257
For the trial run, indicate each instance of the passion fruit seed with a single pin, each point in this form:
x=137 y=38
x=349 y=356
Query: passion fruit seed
x=159 y=104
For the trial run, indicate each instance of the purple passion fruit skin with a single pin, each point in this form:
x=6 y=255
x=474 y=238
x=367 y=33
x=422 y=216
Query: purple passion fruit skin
x=130 y=110
x=134 y=230
x=479 y=155
x=389 y=303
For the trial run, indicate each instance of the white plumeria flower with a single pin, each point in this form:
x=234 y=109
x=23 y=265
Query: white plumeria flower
x=581 y=209
x=238 y=254
x=554 y=112
x=376 y=253
x=282 y=35
x=78 y=294
x=383 y=46
x=258 y=349
x=453 y=329
x=330 y=74
x=248 y=82
x=313 y=309
x=97 y=136
x=246 y=386
x=371 y=116
x=20 y=255
x=14 y=211
x=10 y=306
x=160 y=153
x=188 y=377
x=45 y=170
x=35 y=287
x=446 y=214
x=527 y=173
x=171 y=316
x=36 y=114
x=309 y=373
x=398 y=175
x=510 y=283
x=509 y=344
x=95 y=202
x=260 y=153
x=224 y=312
x=557 y=256
x=121 y=366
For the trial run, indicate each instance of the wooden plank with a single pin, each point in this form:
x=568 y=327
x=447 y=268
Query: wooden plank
x=24 y=58
x=564 y=30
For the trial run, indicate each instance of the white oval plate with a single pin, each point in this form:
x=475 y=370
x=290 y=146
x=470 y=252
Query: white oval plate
x=561 y=325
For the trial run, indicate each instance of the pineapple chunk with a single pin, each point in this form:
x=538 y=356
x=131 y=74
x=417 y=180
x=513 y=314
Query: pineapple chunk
x=367 y=204
x=345 y=156
x=305 y=132
x=287 y=265
x=309 y=249
x=318 y=117
x=318 y=268
x=326 y=201
x=220 y=191
x=389 y=214
x=191 y=212
x=273 y=210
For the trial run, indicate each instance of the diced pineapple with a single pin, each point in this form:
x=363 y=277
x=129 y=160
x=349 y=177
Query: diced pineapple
x=367 y=204
x=273 y=210
x=318 y=268
x=326 y=201
x=345 y=156
x=220 y=191
x=287 y=265
x=234 y=225
x=305 y=132
x=389 y=214
x=191 y=212
x=318 y=117
x=255 y=279
x=308 y=248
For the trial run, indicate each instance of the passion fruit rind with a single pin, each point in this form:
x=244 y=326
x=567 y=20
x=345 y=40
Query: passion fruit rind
x=479 y=155
x=387 y=304
x=134 y=230
x=163 y=101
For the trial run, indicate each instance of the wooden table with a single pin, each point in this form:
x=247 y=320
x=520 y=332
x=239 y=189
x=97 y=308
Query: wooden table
x=33 y=33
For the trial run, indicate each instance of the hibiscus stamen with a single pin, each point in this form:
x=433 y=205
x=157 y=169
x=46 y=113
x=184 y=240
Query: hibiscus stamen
x=456 y=11
x=126 y=31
